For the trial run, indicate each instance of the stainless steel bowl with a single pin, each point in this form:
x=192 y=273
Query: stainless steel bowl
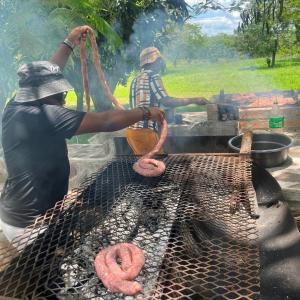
x=268 y=149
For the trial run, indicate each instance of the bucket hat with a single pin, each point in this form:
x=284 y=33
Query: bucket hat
x=149 y=55
x=40 y=79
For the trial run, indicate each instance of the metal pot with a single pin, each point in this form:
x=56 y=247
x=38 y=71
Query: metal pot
x=268 y=149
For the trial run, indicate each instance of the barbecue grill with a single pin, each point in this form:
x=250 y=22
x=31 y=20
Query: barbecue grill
x=199 y=225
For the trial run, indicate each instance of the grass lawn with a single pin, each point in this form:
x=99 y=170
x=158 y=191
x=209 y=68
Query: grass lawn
x=207 y=79
x=235 y=76
x=239 y=76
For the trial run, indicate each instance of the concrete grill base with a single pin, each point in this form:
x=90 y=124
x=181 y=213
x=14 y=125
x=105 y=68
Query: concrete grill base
x=258 y=118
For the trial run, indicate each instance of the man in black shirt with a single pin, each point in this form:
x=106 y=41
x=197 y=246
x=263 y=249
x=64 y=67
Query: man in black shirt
x=35 y=125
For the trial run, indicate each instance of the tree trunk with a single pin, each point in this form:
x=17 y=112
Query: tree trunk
x=175 y=62
x=274 y=53
x=75 y=79
x=79 y=94
x=297 y=26
x=100 y=100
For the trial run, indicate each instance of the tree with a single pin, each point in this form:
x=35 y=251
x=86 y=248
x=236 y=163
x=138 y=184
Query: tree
x=220 y=46
x=184 y=42
x=7 y=71
x=291 y=15
x=119 y=24
x=262 y=27
x=203 y=6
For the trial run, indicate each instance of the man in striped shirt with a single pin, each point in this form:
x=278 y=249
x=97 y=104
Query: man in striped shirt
x=147 y=90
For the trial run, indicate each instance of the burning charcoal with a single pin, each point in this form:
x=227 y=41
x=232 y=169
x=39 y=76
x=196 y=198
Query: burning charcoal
x=194 y=193
x=152 y=218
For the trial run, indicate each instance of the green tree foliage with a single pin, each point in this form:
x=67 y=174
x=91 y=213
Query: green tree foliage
x=189 y=43
x=184 y=42
x=218 y=47
x=263 y=26
x=203 y=6
x=32 y=30
x=7 y=71
x=291 y=15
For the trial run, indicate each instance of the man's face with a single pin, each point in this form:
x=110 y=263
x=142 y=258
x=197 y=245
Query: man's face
x=159 y=65
x=60 y=98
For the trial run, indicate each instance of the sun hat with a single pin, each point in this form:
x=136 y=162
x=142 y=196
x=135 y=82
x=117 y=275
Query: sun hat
x=40 y=79
x=149 y=55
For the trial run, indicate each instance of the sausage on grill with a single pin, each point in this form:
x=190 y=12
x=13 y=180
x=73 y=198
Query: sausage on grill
x=146 y=165
x=120 y=279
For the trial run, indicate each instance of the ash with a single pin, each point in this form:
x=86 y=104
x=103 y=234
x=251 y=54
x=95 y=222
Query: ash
x=142 y=216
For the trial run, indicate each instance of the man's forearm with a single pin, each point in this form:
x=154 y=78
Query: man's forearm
x=61 y=56
x=181 y=101
x=109 y=121
x=174 y=102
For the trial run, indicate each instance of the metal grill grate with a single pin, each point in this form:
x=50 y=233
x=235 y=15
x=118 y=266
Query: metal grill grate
x=195 y=223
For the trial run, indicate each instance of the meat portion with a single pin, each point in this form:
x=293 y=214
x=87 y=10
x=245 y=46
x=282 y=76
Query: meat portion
x=146 y=165
x=149 y=167
x=100 y=74
x=256 y=100
x=83 y=61
x=116 y=278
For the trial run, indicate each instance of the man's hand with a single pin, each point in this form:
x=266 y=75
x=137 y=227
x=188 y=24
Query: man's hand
x=78 y=33
x=200 y=101
x=157 y=115
x=62 y=54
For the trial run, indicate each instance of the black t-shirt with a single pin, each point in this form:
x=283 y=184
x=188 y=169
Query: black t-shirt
x=36 y=157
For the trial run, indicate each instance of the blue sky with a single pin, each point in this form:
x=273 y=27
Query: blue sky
x=214 y=22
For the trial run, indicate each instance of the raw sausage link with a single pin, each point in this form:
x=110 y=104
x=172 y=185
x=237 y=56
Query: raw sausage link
x=114 y=278
x=138 y=260
x=101 y=74
x=111 y=260
x=146 y=165
x=99 y=71
x=83 y=60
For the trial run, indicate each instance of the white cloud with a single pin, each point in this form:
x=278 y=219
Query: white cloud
x=214 y=22
x=223 y=2
x=191 y=2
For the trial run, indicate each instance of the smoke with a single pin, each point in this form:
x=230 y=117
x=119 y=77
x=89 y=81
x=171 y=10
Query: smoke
x=148 y=30
x=27 y=34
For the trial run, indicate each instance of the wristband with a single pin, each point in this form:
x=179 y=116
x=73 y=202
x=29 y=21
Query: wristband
x=146 y=113
x=68 y=43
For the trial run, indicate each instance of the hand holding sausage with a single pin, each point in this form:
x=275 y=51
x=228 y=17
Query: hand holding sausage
x=78 y=33
x=157 y=115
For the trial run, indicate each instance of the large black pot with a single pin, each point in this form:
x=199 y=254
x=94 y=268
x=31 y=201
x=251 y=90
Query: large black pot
x=268 y=149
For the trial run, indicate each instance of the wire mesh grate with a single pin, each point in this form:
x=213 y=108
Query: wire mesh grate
x=196 y=225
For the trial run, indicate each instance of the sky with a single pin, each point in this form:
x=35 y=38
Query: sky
x=214 y=22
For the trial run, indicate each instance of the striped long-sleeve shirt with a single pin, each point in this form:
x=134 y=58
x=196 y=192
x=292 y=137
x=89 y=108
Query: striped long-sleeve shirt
x=146 y=90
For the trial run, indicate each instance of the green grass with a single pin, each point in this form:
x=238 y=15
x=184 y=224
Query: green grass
x=234 y=76
x=207 y=79
x=239 y=76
